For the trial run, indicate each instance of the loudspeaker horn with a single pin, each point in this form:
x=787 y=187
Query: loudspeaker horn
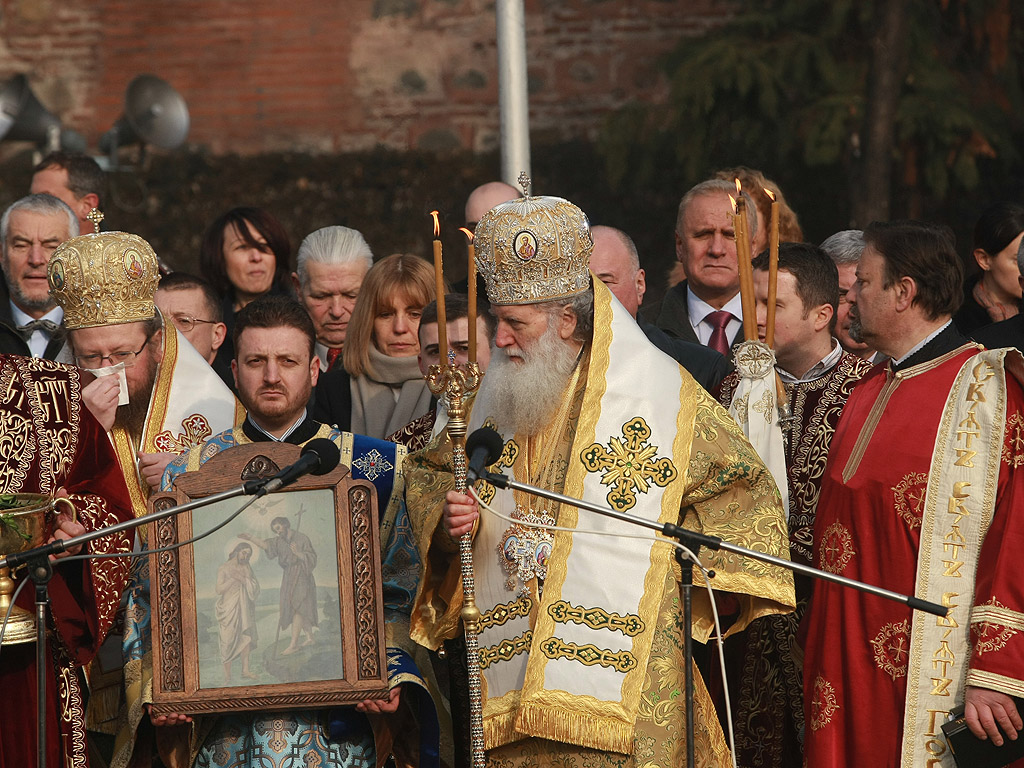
x=24 y=118
x=154 y=113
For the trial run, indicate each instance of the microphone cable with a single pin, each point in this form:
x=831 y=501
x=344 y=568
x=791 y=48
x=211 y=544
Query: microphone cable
x=690 y=555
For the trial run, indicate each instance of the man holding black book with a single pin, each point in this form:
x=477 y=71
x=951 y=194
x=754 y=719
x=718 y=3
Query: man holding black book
x=921 y=495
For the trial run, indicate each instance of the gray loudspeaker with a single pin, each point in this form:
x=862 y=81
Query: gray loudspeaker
x=154 y=113
x=23 y=118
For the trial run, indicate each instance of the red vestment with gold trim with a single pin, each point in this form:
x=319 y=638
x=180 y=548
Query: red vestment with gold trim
x=868 y=528
x=49 y=440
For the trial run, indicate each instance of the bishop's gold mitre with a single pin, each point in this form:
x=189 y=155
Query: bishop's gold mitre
x=533 y=249
x=106 y=278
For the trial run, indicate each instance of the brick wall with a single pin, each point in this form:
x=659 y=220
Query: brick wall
x=343 y=75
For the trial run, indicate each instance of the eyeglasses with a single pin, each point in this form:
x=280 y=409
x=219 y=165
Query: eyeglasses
x=186 y=323
x=96 y=361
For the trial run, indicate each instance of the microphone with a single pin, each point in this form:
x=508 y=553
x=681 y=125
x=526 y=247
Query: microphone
x=318 y=457
x=483 y=447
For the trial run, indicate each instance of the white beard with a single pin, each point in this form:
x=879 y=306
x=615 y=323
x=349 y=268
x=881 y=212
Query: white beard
x=523 y=388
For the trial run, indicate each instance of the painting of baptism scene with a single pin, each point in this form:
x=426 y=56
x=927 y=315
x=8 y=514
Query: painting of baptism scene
x=267 y=598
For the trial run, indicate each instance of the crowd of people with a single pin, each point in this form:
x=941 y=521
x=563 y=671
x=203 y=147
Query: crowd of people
x=903 y=431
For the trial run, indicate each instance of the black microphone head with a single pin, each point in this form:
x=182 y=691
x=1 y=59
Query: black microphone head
x=488 y=439
x=327 y=451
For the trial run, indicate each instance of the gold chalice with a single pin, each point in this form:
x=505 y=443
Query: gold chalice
x=27 y=520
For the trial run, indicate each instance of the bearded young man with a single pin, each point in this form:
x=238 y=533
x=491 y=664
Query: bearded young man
x=563 y=392
x=275 y=369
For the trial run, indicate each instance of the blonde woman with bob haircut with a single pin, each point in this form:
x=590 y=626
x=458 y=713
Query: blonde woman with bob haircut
x=381 y=389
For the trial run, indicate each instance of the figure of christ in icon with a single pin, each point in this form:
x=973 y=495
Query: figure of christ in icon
x=237 y=590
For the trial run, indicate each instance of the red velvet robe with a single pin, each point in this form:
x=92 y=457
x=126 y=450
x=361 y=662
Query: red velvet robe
x=49 y=440
x=855 y=670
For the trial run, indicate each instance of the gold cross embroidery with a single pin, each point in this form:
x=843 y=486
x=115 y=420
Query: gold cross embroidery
x=764 y=406
x=195 y=430
x=629 y=465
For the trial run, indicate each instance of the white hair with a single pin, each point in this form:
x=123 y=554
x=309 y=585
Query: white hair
x=713 y=187
x=332 y=245
x=844 y=247
x=523 y=397
x=43 y=204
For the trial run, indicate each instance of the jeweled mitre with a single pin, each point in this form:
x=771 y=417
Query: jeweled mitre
x=533 y=249
x=106 y=278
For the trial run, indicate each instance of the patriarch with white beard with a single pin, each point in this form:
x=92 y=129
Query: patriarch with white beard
x=527 y=378
x=586 y=406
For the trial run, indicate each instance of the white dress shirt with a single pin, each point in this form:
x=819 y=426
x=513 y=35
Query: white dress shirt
x=699 y=310
x=39 y=339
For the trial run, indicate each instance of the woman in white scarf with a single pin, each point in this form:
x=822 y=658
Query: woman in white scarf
x=386 y=386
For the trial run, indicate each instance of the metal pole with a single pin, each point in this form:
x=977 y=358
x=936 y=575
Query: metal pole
x=41 y=575
x=513 y=99
x=453 y=383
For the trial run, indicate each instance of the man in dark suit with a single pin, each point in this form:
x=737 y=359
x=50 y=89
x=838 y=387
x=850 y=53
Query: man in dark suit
x=616 y=262
x=30 y=231
x=706 y=307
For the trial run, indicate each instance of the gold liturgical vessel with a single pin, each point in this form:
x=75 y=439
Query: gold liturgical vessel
x=27 y=520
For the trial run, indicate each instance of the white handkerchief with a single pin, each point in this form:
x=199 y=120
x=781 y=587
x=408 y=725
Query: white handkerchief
x=114 y=370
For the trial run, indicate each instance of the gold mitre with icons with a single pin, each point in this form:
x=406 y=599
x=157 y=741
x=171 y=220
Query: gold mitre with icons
x=533 y=249
x=106 y=278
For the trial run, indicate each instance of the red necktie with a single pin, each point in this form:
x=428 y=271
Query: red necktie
x=719 y=341
x=332 y=356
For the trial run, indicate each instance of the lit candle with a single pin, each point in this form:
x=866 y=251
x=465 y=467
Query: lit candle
x=442 y=319
x=471 y=294
x=773 y=270
x=742 y=235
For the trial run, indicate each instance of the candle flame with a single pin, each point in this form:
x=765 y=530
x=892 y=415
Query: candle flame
x=739 y=187
x=437 y=224
x=469 y=234
x=769 y=193
x=732 y=202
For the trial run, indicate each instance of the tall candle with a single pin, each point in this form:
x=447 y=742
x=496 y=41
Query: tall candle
x=442 y=319
x=773 y=270
x=742 y=235
x=471 y=295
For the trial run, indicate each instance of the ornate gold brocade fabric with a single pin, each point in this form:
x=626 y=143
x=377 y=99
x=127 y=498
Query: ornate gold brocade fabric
x=729 y=493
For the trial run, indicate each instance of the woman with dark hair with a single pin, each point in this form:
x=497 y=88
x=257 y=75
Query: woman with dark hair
x=994 y=294
x=381 y=389
x=245 y=254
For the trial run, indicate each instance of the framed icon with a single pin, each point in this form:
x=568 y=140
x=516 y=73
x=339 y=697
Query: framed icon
x=279 y=606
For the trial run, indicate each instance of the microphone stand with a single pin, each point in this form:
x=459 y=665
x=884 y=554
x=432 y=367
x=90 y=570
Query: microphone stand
x=694 y=541
x=40 y=571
